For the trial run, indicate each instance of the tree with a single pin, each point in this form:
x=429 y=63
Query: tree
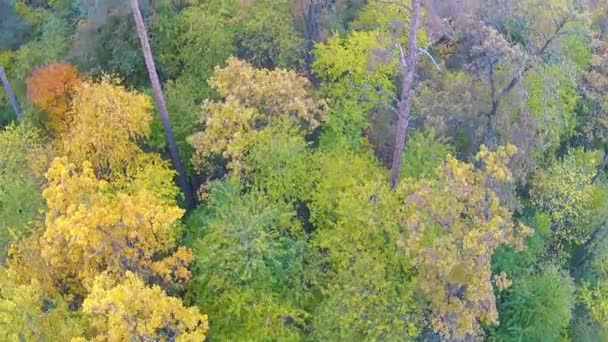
x=185 y=186
x=345 y=64
x=566 y=192
x=105 y=122
x=453 y=226
x=513 y=89
x=536 y=306
x=93 y=226
x=105 y=41
x=51 y=88
x=28 y=314
x=253 y=99
x=357 y=233
x=20 y=199
x=130 y=309
x=14 y=29
x=593 y=121
x=404 y=106
x=266 y=38
x=10 y=94
x=252 y=270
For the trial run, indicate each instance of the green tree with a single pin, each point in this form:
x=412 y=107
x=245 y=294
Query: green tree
x=266 y=38
x=20 y=199
x=252 y=269
x=537 y=307
x=566 y=191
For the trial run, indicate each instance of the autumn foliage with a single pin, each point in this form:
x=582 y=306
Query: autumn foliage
x=286 y=112
x=50 y=88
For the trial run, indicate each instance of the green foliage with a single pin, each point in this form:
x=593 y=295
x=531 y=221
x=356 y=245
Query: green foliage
x=595 y=299
x=191 y=43
x=14 y=29
x=298 y=236
x=252 y=272
x=552 y=99
x=51 y=45
x=423 y=155
x=20 y=199
x=516 y=263
x=565 y=191
x=577 y=47
x=583 y=329
x=281 y=163
x=183 y=109
x=537 y=307
x=353 y=81
x=356 y=226
x=266 y=37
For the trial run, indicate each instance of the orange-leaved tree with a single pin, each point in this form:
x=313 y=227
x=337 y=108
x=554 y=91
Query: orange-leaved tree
x=50 y=88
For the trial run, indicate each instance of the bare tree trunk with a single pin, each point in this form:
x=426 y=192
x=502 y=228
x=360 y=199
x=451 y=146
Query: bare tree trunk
x=10 y=94
x=162 y=106
x=408 y=73
x=604 y=25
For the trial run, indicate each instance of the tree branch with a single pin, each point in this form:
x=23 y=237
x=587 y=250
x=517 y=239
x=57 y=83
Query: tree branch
x=426 y=52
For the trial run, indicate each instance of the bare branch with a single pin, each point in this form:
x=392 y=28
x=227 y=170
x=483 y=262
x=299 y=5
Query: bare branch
x=367 y=88
x=426 y=52
x=402 y=57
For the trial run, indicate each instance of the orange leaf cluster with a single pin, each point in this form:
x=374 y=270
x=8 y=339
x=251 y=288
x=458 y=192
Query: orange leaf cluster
x=50 y=88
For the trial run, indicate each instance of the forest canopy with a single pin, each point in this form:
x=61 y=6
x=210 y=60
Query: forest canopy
x=303 y=170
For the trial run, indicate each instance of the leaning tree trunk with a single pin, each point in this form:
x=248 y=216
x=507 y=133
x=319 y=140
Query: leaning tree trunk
x=10 y=94
x=408 y=64
x=161 y=105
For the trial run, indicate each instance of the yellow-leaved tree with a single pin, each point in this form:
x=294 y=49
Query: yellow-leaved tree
x=27 y=314
x=252 y=99
x=453 y=226
x=93 y=227
x=107 y=121
x=130 y=310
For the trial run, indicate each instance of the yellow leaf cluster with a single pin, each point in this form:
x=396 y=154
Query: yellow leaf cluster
x=91 y=229
x=107 y=121
x=454 y=225
x=253 y=98
x=276 y=92
x=131 y=310
x=24 y=317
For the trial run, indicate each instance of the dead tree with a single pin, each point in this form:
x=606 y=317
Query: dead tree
x=408 y=73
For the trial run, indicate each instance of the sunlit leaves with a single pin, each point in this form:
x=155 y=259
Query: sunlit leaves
x=454 y=224
x=253 y=98
x=129 y=309
x=91 y=229
x=27 y=314
x=565 y=191
x=107 y=121
x=357 y=232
